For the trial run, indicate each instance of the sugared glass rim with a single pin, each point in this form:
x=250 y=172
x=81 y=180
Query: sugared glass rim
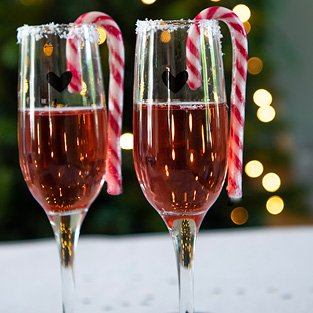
x=65 y=31
x=172 y=25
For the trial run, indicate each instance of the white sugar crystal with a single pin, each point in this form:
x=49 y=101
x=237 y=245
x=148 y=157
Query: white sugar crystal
x=171 y=26
x=68 y=31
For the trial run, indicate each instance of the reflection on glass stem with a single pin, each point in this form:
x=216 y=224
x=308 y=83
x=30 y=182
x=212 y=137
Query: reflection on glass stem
x=66 y=230
x=184 y=232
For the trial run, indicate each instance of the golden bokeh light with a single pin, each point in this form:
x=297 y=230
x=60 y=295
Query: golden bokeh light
x=239 y=215
x=84 y=89
x=26 y=86
x=255 y=65
x=275 y=205
x=271 y=182
x=242 y=11
x=247 y=26
x=148 y=1
x=48 y=49
x=266 y=114
x=215 y=0
x=165 y=36
x=127 y=141
x=254 y=168
x=102 y=35
x=262 y=97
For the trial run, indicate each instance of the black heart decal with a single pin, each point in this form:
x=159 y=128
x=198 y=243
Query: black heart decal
x=59 y=83
x=175 y=83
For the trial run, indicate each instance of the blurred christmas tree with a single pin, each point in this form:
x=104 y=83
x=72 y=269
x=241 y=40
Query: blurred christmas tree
x=266 y=135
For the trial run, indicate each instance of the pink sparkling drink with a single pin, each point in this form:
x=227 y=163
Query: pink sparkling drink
x=63 y=156
x=180 y=154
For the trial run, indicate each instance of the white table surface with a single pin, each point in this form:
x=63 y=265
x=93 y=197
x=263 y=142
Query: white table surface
x=256 y=270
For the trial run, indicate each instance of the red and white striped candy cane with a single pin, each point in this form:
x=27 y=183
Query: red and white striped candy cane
x=239 y=76
x=116 y=89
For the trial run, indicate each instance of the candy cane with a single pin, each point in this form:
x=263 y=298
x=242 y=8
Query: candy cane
x=116 y=86
x=239 y=75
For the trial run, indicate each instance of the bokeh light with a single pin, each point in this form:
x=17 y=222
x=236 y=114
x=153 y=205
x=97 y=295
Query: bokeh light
x=242 y=11
x=102 y=35
x=275 y=205
x=26 y=85
x=84 y=89
x=127 y=141
x=255 y=65
x=266 y=114
x=165 y=36
x=254 y=168
x=271 y=182
x=48 y=49
x=148 y=1
x=262 y=97
x=247 y=26
x=239 y=215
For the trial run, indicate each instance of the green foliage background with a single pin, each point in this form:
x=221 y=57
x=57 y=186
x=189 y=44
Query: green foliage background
x=21 y=217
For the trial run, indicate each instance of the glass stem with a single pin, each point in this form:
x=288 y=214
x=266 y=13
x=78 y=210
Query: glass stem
x=66 y=230
x=184 y=233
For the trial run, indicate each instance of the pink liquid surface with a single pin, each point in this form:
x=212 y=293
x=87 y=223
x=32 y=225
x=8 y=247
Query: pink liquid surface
x=63 y=155
x=180 y=154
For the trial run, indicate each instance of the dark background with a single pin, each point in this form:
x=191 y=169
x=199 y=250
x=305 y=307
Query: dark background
x=21 y=217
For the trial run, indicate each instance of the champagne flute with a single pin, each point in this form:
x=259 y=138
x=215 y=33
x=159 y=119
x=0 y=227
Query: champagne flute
x=62 y=135
x=180 y=134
